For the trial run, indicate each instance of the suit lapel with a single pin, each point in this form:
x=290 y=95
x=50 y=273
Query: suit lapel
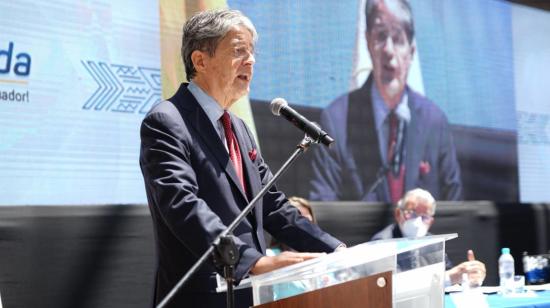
x=414 y=148
x=199 y=120
x=252 y=179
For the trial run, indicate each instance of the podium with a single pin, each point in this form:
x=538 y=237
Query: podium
x=398 y=273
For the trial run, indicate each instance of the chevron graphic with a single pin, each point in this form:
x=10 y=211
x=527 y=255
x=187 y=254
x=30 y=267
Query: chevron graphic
x=123 y=88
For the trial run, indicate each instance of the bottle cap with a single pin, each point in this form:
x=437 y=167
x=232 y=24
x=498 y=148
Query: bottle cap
x=505 y=250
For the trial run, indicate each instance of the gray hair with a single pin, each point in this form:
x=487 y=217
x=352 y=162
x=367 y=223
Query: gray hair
x=205 y=30
x=371 y=11
x=418 y=194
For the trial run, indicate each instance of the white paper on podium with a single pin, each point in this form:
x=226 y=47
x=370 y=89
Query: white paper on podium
x=470 y=299
x=222 y=285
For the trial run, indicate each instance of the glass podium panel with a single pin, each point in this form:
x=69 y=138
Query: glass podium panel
x=418 y=267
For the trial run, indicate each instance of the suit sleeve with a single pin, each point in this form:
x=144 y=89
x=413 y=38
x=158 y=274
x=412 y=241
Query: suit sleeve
x=451 y=184
x=172 y=184
x=285 y=222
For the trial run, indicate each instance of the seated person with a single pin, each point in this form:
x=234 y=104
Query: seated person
x=414 y=215
x=305 y=209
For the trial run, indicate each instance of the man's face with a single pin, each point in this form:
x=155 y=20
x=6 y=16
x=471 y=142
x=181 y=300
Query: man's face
x=416 y=211
x=229 y=71
x=391 y=52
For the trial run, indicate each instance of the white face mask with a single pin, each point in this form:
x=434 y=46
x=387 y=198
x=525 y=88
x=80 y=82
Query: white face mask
x=414 y=228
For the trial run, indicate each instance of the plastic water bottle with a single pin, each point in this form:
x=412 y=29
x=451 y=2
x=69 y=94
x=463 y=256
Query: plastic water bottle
x=506 y=271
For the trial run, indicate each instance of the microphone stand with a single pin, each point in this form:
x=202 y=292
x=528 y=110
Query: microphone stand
x=380 y=176
x=226 y=252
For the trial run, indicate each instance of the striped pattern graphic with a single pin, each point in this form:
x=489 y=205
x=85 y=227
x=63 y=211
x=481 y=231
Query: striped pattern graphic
x=123 y=88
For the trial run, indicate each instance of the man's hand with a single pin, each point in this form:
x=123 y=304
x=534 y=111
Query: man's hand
x=473 y=268
x=267 y=264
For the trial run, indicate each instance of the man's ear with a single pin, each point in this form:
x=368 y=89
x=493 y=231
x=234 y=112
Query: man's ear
x=367 y=41
x=199 y=60
x=397 y=215
x=413 y=48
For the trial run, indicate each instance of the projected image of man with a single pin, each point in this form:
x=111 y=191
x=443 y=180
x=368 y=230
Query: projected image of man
x=389 y=137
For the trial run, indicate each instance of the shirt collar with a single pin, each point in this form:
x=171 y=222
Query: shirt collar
x=381 y=110
x=212 y=109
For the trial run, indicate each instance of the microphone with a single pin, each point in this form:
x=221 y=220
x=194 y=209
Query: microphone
x=279 y=106
x=398 y=150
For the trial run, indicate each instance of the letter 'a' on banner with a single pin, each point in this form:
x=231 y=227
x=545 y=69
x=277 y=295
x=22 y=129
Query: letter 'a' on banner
x=173 y=14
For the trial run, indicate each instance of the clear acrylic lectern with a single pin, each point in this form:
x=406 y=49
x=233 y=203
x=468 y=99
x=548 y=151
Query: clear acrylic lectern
x=417 y=266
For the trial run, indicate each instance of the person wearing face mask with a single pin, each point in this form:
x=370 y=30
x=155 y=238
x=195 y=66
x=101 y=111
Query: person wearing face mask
x=414 y=215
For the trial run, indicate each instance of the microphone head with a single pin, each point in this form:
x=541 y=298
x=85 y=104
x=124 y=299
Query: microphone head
x=277 y=104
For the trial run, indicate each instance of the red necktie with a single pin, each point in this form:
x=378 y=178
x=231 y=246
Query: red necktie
x=233 y=147
x=395 y=181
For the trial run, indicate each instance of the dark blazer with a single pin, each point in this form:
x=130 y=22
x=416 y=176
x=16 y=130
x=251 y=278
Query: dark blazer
x=193 y=194
x=350 y=166
x=404 y=260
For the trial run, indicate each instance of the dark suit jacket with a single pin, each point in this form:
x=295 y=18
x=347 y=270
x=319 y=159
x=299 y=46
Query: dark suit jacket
x=350 y=166
x=193 y=194
x=404 y=260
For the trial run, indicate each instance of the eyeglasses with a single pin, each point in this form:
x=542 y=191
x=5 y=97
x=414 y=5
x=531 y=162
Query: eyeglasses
x=411 y=214
x=381 y=34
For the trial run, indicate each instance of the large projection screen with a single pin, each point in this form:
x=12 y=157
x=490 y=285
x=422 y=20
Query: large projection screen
x=77 y=77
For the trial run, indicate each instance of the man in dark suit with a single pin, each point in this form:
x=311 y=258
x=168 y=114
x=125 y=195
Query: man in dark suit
x=201 y=166
x=414 y=215
x=386 y=132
